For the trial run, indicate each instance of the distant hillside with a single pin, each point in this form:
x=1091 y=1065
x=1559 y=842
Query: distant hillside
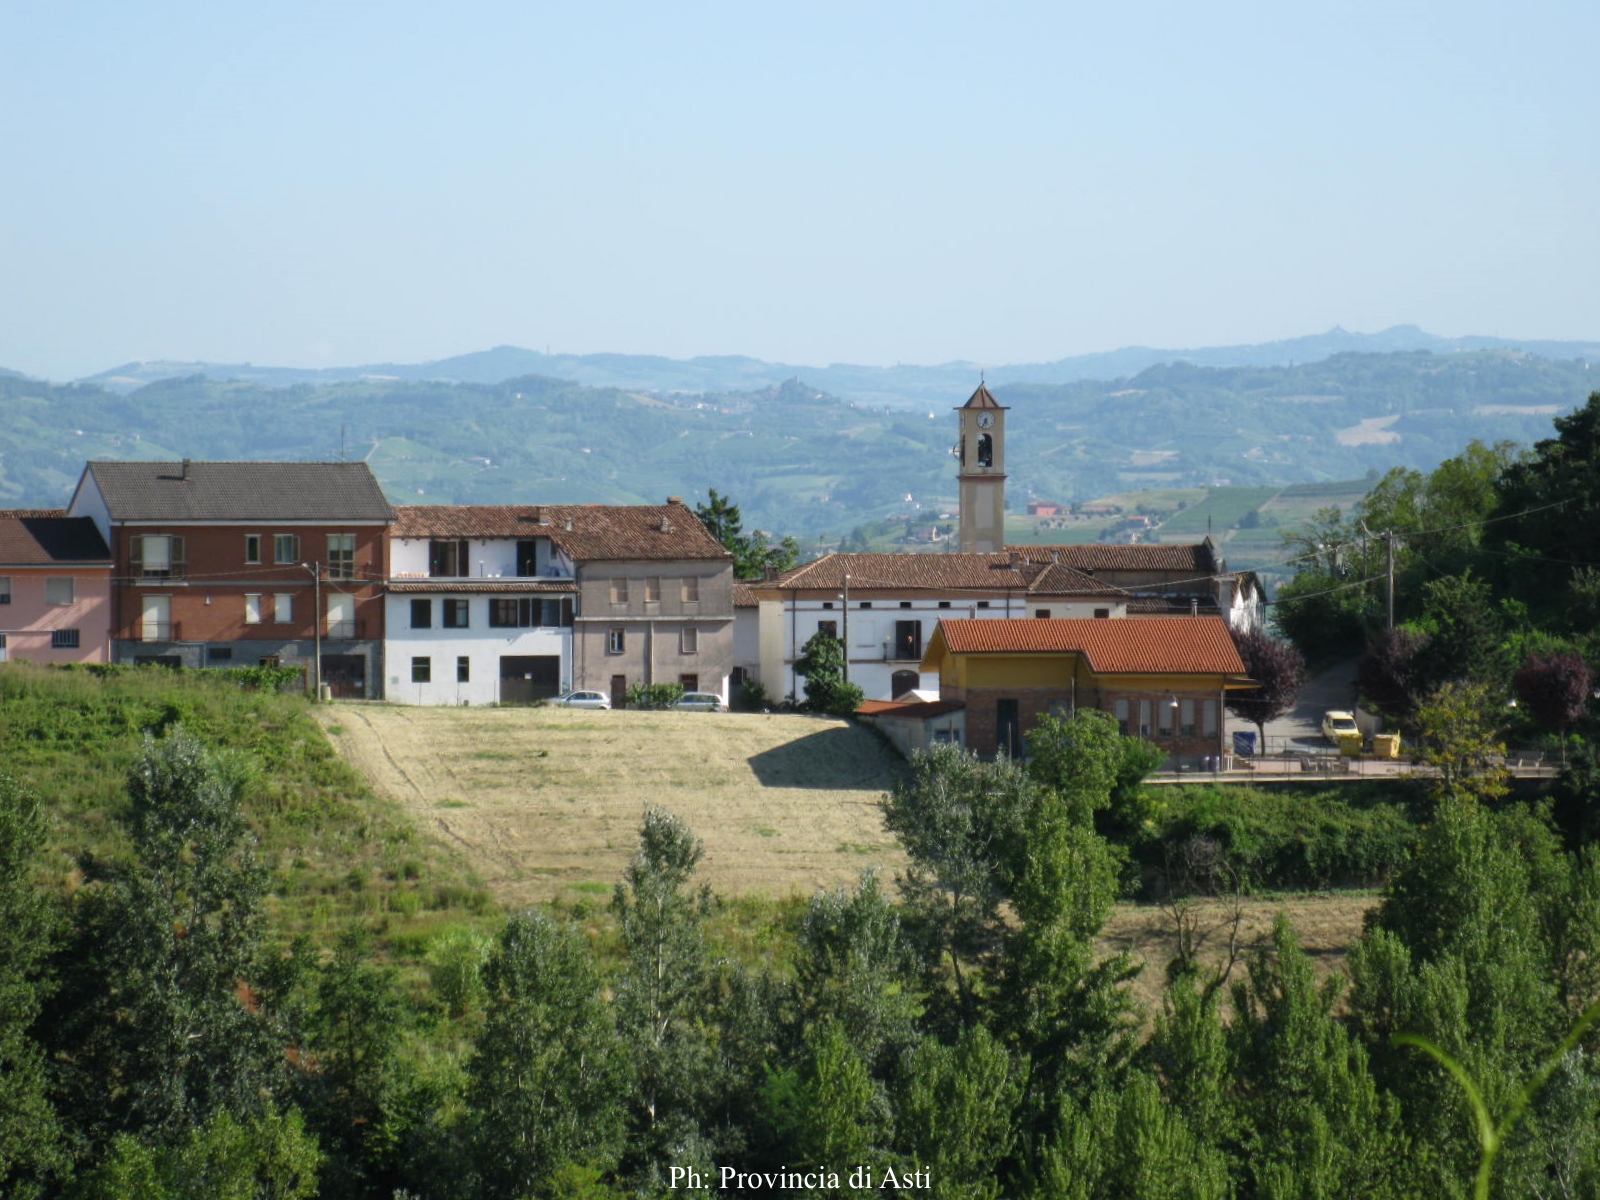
x=899 y=386
x=797 y=458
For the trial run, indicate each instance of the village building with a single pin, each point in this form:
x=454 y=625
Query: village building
x=513 y=603
x=55 y=588
x=224 y=564
x=1164 y=679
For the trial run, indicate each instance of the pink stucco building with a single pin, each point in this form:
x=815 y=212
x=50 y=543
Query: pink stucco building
x=55 y=588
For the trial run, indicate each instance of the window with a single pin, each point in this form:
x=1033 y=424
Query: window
x=1186 y=718
x=1144 y=718
x=449 y=558
x=652 y=590
x=456 y=613
x=905 y=604
x=527 y=558
x=1119 y=709
x=3 y=655
x=283 y=608
x=1102 y=614
x=286 y=547
x=422 y=614
x=616 y=641
x=252 y=610
x=619 y=591
x=908 y=641
x=5 y=590
x=422 y=670
x=1042 y=613
x=252 y=548
x=525 y=613
x=827 y=604
x=736 y=677
x=463 y=669
x=1208 y=718
x=63 y=639
x=985 y=450
x=866 y=604
x=689 y=642
x=831 y=628
x=1165 y=711
x=342 y=616
x=341 y=556
x=689 y=683
x=157 y=556
x=983 y=604
x=58 y=591
x=219 y=653
x=689 y=590
x=944 y=604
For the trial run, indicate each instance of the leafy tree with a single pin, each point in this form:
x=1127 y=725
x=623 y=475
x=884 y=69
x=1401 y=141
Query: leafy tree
x=662 y=993
x=1465 y=634
x=548 y=1075
x=155 y=1029
x=841 y=1114
x=270 y=1157
x=1387 y=673
x=1550 y=507
x=851 y=967
x=1460 y=732
x=1554 y=690
x=754 y=555
x=1279 y=671
x=28 y=1129
x=955 y=1113
x=821 y=661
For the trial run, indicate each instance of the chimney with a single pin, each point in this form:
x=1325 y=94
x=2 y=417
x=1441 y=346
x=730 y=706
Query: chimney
x=1194 y=606
x=185 y=475
x=678 y=500
x=666 y=524
x=569 y=524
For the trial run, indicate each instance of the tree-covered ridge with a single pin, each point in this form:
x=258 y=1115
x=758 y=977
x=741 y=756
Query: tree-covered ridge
x=799 y=460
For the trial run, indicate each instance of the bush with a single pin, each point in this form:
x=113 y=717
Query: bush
x=753 y=697
x=455 y=968
x=1284 y=838
x=654 y=695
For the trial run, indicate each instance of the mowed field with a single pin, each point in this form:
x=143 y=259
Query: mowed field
x=547 y=800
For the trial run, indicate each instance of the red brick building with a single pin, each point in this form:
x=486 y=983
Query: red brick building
x=220 y=564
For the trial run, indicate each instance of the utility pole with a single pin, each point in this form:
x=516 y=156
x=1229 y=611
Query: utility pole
x=1388 y=541
x=847 y=627
x=316 y=628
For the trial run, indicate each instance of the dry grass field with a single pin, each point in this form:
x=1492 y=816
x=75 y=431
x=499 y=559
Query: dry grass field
x=546 y=800
x=546 y=803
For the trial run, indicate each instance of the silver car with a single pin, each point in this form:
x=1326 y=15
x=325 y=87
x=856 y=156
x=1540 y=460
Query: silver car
x=584 y=700
x=699 y=702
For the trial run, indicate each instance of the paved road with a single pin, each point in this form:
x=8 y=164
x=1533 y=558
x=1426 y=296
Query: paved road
x=1301 y=729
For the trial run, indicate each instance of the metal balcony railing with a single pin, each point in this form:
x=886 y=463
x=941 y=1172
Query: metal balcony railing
x=159 y=631
x=343 y=630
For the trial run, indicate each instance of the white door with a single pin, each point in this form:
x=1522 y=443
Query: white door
x=156 y=625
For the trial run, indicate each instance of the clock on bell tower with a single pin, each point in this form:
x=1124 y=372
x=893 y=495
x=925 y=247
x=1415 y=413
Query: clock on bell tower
x=982 y=474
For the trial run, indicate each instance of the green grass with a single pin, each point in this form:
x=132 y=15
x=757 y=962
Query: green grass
x=1223 y=506
x=336 y=853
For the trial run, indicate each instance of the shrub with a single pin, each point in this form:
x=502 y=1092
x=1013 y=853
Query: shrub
x=752 y=696
x=654 y=695
x=455 y=968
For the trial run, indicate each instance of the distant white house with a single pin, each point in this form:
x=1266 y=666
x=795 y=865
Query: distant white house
x=479 y=607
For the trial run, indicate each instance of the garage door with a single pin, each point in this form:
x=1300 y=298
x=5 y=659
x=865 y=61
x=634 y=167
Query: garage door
x=525 y=678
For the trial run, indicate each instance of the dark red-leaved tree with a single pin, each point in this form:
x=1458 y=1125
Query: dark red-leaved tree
x=1387 y=673
x=1279 y=671
x=1554 y=690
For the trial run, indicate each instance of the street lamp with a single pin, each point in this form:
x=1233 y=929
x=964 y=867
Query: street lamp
x=316 y=629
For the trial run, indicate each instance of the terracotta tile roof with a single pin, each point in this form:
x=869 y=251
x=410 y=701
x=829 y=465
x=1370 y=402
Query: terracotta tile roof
x=909 y=710
x=744 y=596
x=240 y=491
x=1058 y=579
x=1145 y=646
x=587 y=532
x=982 y=399
x=43 y=537
x=1196 y=559
x=951 y=572
x=478 y=587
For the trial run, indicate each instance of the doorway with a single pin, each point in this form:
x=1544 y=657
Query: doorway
x=345 y=675
x=1008 y=729
x=525 y=678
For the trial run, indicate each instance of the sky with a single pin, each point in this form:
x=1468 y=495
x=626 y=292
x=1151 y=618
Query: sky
x=319 y=184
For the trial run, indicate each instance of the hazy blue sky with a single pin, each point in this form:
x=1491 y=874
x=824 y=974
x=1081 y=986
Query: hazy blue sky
x=324 y=183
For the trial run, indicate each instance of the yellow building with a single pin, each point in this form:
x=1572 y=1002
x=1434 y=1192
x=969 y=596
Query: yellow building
x=1162 y=678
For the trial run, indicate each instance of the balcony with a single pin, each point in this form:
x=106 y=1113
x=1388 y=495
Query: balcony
x=155 y=574
x=159 y=631
x=339 y=631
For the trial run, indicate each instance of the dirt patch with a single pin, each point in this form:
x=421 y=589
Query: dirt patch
x=545 y=800
x=1374 y=431
x=1327 y=926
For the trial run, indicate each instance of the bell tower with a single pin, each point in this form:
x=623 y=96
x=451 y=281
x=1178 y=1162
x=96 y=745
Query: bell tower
x=982 y=474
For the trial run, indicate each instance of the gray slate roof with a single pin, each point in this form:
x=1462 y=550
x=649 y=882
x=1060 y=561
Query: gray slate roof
x=48 y=537
x=240 y=491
